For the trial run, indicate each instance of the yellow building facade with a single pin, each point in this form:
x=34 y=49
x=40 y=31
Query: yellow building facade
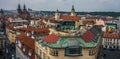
x=59 y=53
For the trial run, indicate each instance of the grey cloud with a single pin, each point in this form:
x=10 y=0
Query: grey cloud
x=64 y=5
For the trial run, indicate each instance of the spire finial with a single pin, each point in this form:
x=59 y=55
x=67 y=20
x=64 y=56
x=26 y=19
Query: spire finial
x=72 y=7
x=57 y=11
x=73 y=11
x=24 y=7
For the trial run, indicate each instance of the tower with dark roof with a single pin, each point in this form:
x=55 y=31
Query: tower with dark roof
x=19 y=10
x=1 y=11
x=57 y=15
x=24 y=8
x=23 y=13
x=73 y=11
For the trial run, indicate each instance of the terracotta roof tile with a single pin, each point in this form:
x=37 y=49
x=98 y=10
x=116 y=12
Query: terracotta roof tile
x=70 y=17
x=26 y=40
x=42 y=31
x=110 y=35
x=53 y=21
x=87 y=22
x=41 y=22
x=51 y=38
x=88 y=36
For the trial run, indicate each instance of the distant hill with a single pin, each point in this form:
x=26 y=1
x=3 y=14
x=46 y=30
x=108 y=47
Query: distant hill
x=114 y=14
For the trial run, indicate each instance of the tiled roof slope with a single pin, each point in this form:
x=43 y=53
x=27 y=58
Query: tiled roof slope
x=51 y=38
x=110 y=35
x=88 y=36
x=65 y=17
x=28 y=43
x=26 y=40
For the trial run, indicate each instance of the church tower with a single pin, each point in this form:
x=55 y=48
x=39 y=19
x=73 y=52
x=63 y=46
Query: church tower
x=24 y=8
x=25 y=13
x=57 y=15
x=1 y=13
x=19 y=9
x=73 y=11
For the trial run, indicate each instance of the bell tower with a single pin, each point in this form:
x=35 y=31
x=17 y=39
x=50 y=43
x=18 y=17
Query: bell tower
x=57 y=15
x=73 y=11
x=19 y=9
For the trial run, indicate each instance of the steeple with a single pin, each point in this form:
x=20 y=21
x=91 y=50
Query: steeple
x=19 y=9
x=73 y=11
x=57 y=14
x=1 y=11
x=57 y=11
x=24 y=7
x=19 y=6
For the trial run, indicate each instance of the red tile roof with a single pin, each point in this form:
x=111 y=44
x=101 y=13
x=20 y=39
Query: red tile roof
x=51 y=38
x=110 y=35
x=70 y=17
x=88 y=36
x=26 y=40
x=41 y=22
x=42 y=31
x=28 y=44
x=88 y=22
x=52 y=20
x=22 y=35
x=28 y=29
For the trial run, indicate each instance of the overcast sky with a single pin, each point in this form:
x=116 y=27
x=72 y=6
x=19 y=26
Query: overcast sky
x=64 y=5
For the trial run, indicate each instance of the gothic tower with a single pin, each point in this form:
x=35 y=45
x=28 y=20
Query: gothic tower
x=57 y=15
x=73 y=11
x=1 y=11
x=24 y=8
x=19 y=10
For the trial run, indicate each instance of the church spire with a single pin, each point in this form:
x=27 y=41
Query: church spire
x=57 y=14
x=73 y=11
x=1 y=11
x=19 y=8
x=24 y=7
x=57 y=11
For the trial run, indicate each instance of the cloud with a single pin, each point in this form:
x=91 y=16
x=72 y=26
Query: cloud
x=64 y=5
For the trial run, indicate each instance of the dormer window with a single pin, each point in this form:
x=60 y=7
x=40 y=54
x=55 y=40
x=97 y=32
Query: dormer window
x=19 y=44
x=32 y=37
x=30 y=53
x=28 y=34
x=24 y=49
